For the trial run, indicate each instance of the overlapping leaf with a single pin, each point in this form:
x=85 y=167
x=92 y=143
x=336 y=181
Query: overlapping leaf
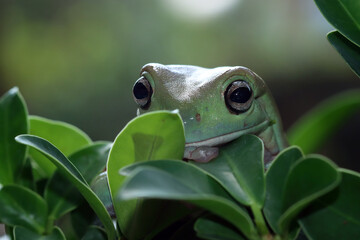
x=68 y=170
x=177 y=180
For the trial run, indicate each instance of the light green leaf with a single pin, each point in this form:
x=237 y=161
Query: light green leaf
x=212 y=230
x=177 y=180
x=68 y=170
x=13 y=121
x=20 y=206
x=319 y=124
x=276 y=177
x=239 y=168
x=66 y=137
x=308 y=179
x=151 y=136
x=26 y=234
x=337 y=214
x=344 y=15
x=347 y=49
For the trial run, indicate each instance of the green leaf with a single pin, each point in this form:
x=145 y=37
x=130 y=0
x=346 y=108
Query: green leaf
x=212 y=230
x=348 y=50
x=66 y=137
x=276 y=177
x=177 y=180
x=314 y=128
x=152 y=136
x=239 y=168
x=13 y=121
x=94 y=233
x=20 y=206
x=337 y=214
x=59 y=198
x=68 y=170
x=90 y=161
x=344 y=15
x=308 y=179
x=26 y=234
x=100 y=187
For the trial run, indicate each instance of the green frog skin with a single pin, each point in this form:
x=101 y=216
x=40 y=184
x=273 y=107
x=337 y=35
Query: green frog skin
x=217 y=106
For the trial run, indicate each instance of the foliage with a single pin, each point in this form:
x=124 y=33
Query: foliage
x=57 y=188
x=156 y=195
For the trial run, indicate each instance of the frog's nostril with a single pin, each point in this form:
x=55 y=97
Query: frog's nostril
x=198 y=117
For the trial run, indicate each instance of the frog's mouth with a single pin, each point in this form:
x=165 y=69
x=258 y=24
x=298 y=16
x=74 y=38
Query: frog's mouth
x=205 y=150
x=228 y=137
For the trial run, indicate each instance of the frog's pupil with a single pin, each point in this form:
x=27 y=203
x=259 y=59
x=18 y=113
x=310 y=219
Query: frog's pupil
x=140 y=91
x=240 y=95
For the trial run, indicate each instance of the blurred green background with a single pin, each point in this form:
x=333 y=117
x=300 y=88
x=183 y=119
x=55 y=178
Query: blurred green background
x=76 y=60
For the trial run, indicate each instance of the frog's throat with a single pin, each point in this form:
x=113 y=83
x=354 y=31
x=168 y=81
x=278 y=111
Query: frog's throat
x=225 y=138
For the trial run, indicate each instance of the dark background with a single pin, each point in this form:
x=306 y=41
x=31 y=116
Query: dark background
x=77 y=60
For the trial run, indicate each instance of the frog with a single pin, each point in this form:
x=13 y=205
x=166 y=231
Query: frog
x=217 y=106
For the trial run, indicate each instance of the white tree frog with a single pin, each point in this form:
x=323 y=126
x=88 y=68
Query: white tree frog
x=217 y=106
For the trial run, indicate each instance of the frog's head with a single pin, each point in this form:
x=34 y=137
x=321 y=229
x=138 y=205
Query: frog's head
x=217 y=105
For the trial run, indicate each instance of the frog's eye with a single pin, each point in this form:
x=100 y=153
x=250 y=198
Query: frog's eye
x=238 y=97
x=142 y=92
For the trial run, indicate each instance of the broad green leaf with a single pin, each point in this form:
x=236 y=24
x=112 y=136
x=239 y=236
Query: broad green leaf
x=177 y=180
x=337 y=214
x=239 y=168
x=26 y=234
x=276 y=177
x=13 y=121
x=20 y=206
x=151 y=136
x=314 y=128
x=212 y=230
x=308 y=179
x=347 y=49
x=66 y=137
x=68 y=170
x=344 y=15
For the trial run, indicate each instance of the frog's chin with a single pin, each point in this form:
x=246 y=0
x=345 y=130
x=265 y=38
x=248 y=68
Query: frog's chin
x=228 y=137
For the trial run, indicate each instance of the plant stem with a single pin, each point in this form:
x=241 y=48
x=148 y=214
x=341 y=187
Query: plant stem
x=259 y=220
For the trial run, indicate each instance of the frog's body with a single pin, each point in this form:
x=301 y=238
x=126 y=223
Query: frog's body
x=217 y=106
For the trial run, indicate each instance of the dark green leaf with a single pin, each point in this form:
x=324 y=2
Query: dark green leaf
x=100 y=187
x=61 y=196
x=212 y=230
x=13 y=121
x=20 y=206
x=308 y=179
x=91 y=160
x=344 y=15
x=276 y=177
x=347 y=49
x=240 y=169
x=26 y=234
x=94 y=233
x=337 y=214
x=152 y=136
x=177 y=180
x=66 y=137
x=68 y=170
x=314 y=128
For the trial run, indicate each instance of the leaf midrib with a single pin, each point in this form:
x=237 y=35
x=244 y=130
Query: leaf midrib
x=349 y=14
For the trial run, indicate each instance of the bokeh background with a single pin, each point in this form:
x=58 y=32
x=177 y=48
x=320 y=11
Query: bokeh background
x=76 y=60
